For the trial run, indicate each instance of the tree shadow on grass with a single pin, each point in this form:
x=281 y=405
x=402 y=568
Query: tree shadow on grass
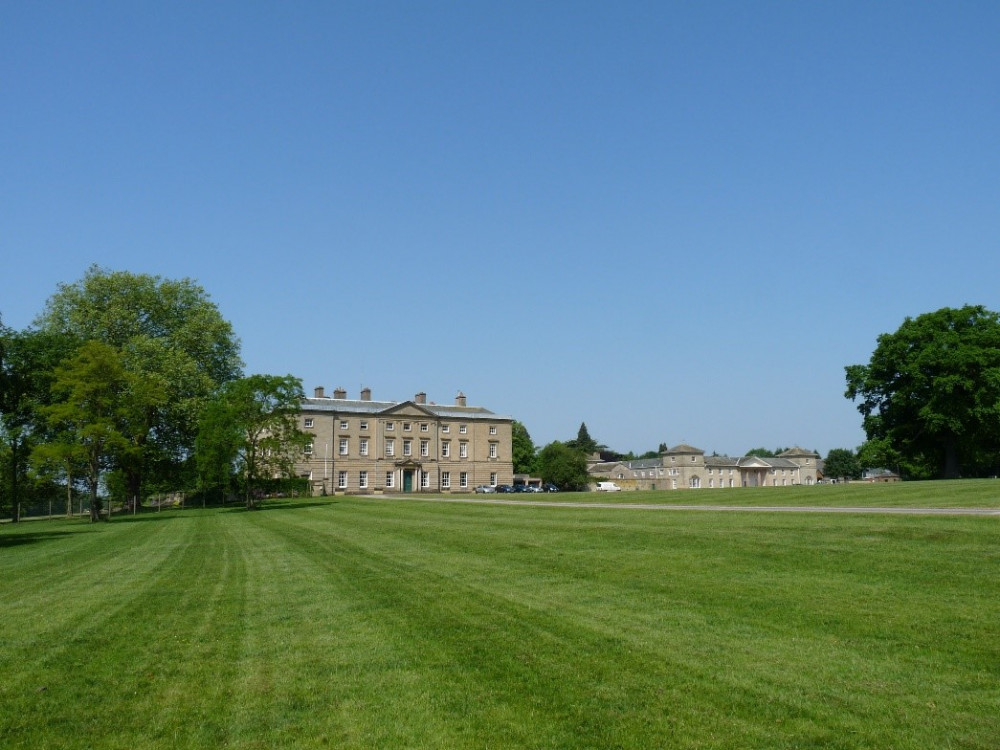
x=279 y=504
x=148 y=515
x=33 y=537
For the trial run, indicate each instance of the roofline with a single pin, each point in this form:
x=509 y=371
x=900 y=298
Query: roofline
x=360 y=406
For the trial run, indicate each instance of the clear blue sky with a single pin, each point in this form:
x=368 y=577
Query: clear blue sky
x=675 y=221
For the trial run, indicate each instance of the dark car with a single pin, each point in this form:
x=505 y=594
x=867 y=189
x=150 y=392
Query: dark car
x=550 y=488
x=504 y=488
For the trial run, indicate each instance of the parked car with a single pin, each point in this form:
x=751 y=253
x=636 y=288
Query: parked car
x=504 y=488
x=485 y=489
x=608 y=487
x=550 y=488
x=532 y=488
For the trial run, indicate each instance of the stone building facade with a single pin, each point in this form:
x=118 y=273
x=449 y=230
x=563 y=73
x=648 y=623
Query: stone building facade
x=362 y=446
x=686 y=467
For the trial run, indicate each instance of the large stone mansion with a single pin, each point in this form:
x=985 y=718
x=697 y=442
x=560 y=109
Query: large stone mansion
x=687 y=467
x=364 y=446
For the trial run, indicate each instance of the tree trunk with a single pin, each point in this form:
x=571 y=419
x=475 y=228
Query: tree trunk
x=952 y=469
x=134 y=485
x=95 y=504
x=15 y=488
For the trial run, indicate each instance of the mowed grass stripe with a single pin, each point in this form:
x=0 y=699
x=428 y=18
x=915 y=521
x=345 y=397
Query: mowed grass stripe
x=491 y=664
x=361 y=623
x=71 y=593
x=964 y=493
x=142 y=642
x=386 y=669
x=416 y=524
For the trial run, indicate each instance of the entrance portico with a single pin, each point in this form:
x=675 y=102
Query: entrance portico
x=408 y=475
x=754 y=472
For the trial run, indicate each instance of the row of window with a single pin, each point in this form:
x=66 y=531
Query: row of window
x=673 y=459
x=343 y=480
x=676 y=472
x=345 y=424
x=344 y=448
x=695 y=483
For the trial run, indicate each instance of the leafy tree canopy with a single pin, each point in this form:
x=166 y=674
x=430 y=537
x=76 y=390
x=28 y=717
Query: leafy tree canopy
x=126 y=310
x=27 y=363
x=583 y=442
x=88 y=410
x=931 y=391
x=563 y=465
x=631 y=456
x=841 y=463
x=170 y=336
x=879 y=454
x=252 y=428
x=523 y=449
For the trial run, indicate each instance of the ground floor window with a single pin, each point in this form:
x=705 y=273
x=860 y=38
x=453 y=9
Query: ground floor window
x=425 y=480
x=445 y=480
x=389 y=479
x=463 y=479
x=363 y=479
x=493 y=479
x=342 y=480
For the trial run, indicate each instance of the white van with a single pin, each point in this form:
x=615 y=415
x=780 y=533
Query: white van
x=608 y=487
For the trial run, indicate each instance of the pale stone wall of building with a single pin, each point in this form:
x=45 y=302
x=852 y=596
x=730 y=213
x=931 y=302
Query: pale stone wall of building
x=364 y=446
x=686 y=467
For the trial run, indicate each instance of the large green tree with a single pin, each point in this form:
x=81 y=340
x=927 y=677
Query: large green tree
x=878 y=454
x=563 y=465
x=584 y=442
x=522 y=448
x=931 y=392
x=252 y=429
x=172 y=337
x=765 y=452
x=841 y=463
x=27 y=362
x=88 y=410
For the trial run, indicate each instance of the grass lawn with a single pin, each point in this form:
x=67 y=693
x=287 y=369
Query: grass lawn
x=965 y=493
x=363 y=623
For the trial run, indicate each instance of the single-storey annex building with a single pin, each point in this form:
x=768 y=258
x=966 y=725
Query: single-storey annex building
x=687 y=467
x=363 y=446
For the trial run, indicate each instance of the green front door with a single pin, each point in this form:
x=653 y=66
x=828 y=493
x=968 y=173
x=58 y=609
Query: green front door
x=408 y=480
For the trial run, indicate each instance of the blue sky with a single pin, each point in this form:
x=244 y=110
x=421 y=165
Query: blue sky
x=674 y=221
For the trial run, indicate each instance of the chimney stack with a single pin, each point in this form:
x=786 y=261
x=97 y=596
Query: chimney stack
x=420 y=398
x=318 y=393
x=460 y=399
x=339 y=393
x=366 y=394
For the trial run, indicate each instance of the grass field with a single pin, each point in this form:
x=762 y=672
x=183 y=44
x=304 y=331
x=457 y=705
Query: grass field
x=977 y=493
x=374 y=623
